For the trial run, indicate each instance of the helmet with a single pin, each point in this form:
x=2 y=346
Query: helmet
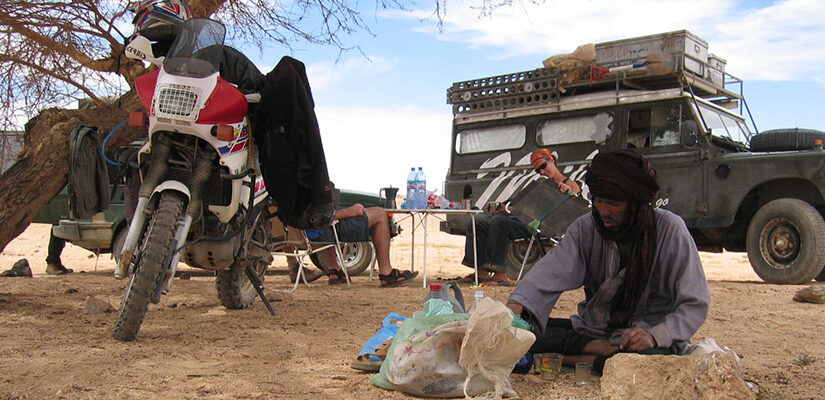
x=158 y=19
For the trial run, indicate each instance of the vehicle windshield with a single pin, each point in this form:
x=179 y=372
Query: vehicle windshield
x=724 y=125
x=197 y=50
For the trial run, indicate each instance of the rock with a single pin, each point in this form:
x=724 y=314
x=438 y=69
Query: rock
x=20 y=268
x=96 y=305
x=278 y=295
x=706 y=376
x=810 y=294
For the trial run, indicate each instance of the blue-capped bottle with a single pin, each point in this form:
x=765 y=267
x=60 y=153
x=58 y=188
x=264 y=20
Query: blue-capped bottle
x=421 y=189
x=409 y=203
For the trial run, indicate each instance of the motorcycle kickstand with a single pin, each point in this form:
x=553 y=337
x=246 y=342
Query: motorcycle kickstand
x=259 y=287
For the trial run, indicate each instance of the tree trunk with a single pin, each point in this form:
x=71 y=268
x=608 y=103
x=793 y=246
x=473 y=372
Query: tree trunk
x=42 y=167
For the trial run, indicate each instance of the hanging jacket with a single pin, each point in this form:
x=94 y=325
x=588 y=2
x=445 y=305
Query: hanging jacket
x=292 y=156
x=88 y=177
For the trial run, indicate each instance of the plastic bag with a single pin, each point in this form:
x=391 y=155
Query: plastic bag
x=387 y=332
x=427 y=357
x=491 y=348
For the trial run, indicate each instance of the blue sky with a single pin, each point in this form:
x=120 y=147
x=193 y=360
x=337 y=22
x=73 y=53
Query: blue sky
x=386 y=112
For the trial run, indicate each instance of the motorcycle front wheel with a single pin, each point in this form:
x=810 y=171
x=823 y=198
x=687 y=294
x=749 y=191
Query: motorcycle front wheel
x=144 y=280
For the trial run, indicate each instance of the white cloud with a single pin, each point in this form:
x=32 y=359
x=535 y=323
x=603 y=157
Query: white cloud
x=325 y=75
x=369 y=148
x=781 y=41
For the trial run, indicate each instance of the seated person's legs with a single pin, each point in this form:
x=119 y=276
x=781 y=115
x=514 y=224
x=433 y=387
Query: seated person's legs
x=372 y=225
x=482 y=228
x=502 y=231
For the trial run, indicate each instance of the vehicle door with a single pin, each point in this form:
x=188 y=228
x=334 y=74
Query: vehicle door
x=665 y=133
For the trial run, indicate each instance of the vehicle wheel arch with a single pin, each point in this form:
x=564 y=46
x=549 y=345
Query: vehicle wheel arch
x=768 y=191
x=763 y=193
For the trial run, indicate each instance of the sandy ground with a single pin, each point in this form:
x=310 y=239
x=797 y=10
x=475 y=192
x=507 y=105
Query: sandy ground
x=190 y=347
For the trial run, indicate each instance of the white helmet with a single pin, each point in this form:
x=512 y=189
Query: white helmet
x=158 y=19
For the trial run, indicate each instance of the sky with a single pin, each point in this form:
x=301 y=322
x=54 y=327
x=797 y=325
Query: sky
x=384 y=110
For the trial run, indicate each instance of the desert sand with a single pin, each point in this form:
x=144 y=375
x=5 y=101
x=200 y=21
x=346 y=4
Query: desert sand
x=190 y=347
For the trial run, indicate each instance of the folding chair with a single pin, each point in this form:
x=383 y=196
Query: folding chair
x=303 y=247
x=534 y=206
x=537 y=239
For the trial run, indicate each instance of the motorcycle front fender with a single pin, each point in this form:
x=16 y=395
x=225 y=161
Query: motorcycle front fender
x=138 y=224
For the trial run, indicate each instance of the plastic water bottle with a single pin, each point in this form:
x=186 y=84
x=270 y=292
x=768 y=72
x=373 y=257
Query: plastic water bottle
x=437 y=291
x=477 y=296
x=421 y=189
x=411 y=184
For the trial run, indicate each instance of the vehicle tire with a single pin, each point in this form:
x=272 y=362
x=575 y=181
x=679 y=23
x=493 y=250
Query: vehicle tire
x=144 y=280
x=516 y=254
x=786 y=139
x=235 y=290
x=117 y=243
x=784 y=242
x=356 y=255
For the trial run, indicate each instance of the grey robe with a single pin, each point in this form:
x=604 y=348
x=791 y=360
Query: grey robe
x=675 y=302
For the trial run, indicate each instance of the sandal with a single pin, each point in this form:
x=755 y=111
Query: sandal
x=496 y=282
x=372 y=362
x=482 y=276
x=396 y=278
x=339 y=277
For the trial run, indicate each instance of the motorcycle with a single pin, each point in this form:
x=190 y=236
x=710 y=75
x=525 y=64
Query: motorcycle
x=200 y=200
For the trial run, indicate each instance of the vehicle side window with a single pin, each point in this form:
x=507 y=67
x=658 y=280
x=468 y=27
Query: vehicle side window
x=656 y=126
x=664 y=124
x=583 y=128
x=492 y=138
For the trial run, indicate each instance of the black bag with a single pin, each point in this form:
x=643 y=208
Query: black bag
x=88 y=177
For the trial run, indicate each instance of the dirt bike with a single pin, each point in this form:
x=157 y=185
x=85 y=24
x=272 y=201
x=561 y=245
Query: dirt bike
x=200 y=200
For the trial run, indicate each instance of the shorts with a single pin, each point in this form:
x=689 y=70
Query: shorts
x=354 y=229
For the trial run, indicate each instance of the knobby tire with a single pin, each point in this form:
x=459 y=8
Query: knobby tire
x=141 y=287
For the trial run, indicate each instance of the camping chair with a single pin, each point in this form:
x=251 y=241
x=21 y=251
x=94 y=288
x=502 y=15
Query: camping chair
x=534 y=238
x=304 y=247
x=545 y=210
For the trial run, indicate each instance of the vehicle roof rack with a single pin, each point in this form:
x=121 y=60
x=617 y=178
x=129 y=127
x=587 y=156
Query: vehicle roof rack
x=621 y=64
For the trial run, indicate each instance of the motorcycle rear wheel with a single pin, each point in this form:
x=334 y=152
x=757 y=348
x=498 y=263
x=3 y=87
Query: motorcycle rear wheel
x=235 y=291
x=144 y=280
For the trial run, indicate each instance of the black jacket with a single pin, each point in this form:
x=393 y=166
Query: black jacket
x=292 y=156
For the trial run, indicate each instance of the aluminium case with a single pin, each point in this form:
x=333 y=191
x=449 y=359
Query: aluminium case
x=689 y=50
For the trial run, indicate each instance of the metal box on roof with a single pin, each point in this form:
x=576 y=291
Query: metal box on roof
x=689 y=50
x=716 y=70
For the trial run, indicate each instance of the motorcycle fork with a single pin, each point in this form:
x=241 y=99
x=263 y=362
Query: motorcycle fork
x=157 y=168
x=200 y=174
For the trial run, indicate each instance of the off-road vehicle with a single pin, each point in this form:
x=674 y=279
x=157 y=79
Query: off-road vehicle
x=736 y=190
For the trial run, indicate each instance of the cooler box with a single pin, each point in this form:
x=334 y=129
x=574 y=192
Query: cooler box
x=541 y=195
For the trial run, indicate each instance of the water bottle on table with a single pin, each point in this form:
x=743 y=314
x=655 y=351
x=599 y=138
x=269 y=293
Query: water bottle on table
x=409 y=203
x=421 y=189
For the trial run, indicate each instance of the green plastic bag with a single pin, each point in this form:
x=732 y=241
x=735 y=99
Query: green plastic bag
x=410 y=327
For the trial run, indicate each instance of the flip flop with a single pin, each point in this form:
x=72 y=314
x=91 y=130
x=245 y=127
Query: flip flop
x=496 y=282
x=363 y=363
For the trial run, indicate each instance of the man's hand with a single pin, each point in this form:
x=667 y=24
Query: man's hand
x=637 y=339
x=516 y=307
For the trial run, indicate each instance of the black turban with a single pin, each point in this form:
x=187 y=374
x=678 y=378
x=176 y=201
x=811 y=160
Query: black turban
x=622 y=175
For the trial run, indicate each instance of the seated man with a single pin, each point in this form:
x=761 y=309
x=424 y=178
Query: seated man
x=494 y=232
x=359 y=224
x=645 y=290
